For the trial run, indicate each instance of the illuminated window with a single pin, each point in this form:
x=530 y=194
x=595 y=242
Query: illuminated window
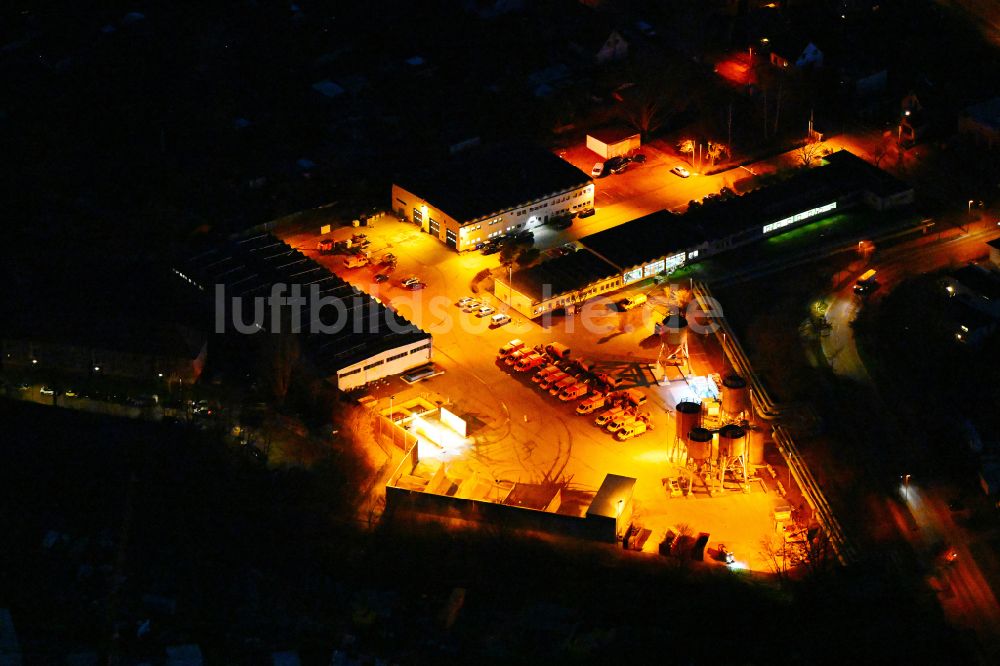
x=812 y=212
x=653 y=268
x=693 y=254
x=632 y=276
x=674 y=261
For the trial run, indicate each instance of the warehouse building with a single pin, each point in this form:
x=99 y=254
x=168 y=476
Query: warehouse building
x=343 y=333
x=487 y=192
x=662 y=242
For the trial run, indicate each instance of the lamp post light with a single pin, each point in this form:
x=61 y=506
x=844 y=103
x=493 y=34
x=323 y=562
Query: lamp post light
x=906 y=487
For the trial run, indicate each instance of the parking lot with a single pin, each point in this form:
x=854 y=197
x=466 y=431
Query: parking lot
x=519 y=433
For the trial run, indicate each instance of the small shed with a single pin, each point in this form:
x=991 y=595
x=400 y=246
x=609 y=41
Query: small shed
x=613 y=502
x=613 y=141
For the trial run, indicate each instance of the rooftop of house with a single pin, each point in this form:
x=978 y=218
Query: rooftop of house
x=986 y=113
x=979 y=280
x=790 y=45
x=963 y=314
x=488 y=180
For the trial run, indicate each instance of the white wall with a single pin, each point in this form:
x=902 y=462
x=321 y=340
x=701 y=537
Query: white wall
x=412 y=355
x=471 y=233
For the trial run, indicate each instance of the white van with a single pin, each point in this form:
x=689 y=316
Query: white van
x=632 y=301
x=498 y=320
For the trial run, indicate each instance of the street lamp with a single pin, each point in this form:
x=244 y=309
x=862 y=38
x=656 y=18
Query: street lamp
x=906 y=487
x=971 y=201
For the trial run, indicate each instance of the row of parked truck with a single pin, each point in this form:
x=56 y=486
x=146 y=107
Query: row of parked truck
x=572 y=379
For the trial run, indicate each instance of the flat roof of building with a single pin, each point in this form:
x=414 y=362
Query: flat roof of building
x=979 y=280
x=613 y=488
x=250 y=266
x=655 y=235
x=486 y=181
x=566 y=273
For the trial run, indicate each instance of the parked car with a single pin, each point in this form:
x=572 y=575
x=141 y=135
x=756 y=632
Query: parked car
x=388 y=259
x=598 y=170
x=410 y=280
x=462 y=301
x=680 y=171
x=498 y=320
x=472 y=306
x=587 y=212
x=616 y=164
x=45 y=390
x=492 y=248
x=630 y=430
x=638 y=158
x=485 y=311
x=415 y=286
x=511 y=347
x=70 y=393
x=561 y=221
x=381 y=277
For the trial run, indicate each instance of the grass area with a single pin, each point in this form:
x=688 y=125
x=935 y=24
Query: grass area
x=842 y=226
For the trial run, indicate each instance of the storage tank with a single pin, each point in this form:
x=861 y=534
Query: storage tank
x=673 y=329
x=735 y=396
x=732 y=441
x=699 y=443
x=755 y=446
x=687 y=416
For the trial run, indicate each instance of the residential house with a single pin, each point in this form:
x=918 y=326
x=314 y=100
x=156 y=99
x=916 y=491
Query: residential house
x=975 y=286
x=10 y=647
x=862 y=75
x=792 y=50
x=914 y=121
x=594 y=40
x=981 y=123
x=970 y=325
x=487 y=9
x=994 y=246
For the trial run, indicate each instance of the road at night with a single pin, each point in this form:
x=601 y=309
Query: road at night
x=965 y=593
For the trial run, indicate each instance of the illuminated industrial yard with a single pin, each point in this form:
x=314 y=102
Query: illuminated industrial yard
x=500 y=332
